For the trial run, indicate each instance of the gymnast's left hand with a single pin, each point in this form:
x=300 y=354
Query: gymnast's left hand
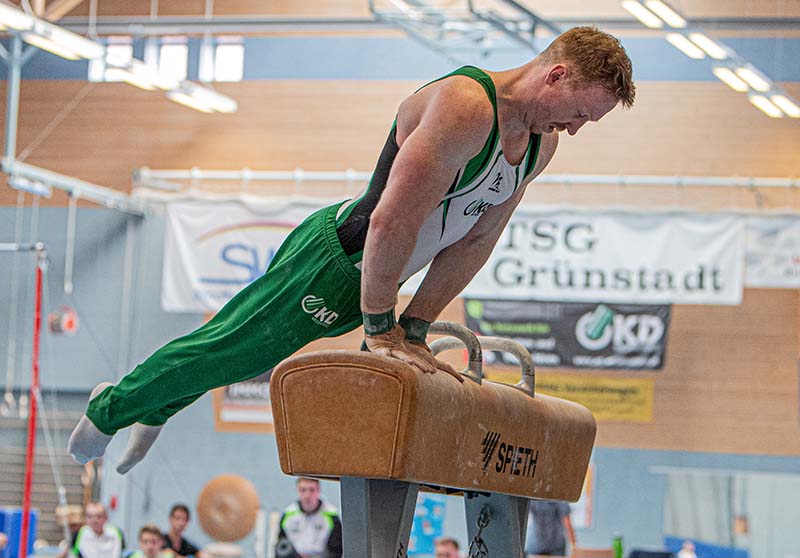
x=393 y=344
x=425 y=352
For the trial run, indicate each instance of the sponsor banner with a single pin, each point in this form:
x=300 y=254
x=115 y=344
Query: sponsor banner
x=616 y=257
x=213 y=250
x=244 y=406
x=772 y=252
x=575 y=334
x=609 y=399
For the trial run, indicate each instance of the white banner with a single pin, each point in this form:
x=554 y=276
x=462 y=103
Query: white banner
x=214 y=249
x=616 y=257
x=772 y=252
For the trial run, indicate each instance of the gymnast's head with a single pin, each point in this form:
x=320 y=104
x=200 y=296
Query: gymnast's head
x=580 y=77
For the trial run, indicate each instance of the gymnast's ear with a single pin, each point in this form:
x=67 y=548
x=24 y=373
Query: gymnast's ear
x=557 y=72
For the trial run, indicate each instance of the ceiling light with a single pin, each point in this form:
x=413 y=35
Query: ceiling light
x=80 y=45
x=765 y=106
x=214 y=100
x=49 y=45
x=641 y=13
x=754 y=78
x=14 y=18
x=187 y=100
x=712 y=48
x=136 y=74
x=666 y=13
x=787 y=105
x=729 y=78
x=685 y=46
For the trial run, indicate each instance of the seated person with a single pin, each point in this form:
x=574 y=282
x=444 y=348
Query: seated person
x=151 y=543
x=445 y=547
x=173 y=539
x=310 y=527
x=98 y=538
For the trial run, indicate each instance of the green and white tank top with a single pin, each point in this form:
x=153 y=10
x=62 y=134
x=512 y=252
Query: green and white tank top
x=487 y=179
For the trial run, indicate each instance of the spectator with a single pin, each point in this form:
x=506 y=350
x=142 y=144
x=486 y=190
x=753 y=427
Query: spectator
x=3 y=540
x=310 y=527
x=445 y=547
x=173 y=539
x=97 y=539
x=73 y=516
x=687 y=550
x=549 y=526
x=150 y=544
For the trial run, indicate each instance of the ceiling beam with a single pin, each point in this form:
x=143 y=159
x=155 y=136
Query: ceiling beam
x=59 y=8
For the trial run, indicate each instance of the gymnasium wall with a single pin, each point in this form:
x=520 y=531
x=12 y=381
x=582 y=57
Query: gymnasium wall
x=727 y=397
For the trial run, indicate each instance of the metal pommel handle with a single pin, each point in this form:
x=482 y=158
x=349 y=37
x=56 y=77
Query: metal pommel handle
x=528 y=380
x=462 y=336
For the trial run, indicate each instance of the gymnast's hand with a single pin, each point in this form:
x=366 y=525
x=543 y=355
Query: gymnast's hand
x=393 y=344
x=422 y=349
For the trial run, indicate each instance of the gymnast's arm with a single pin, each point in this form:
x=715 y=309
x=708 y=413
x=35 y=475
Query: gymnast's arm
x=453 y=268
x=438 y=133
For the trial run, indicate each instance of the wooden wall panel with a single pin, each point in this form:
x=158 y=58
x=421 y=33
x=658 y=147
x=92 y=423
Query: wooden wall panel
x=675 y=128
x=298 y=8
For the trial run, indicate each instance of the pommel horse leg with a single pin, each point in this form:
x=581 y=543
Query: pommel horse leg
x=496 y=524
x=386 y=430
x=376 y=516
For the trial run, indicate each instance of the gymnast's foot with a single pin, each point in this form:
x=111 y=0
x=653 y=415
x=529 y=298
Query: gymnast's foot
x=87 y=442
x=139 y=443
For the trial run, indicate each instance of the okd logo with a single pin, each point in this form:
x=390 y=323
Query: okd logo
x=626 y=333
x=315 y=306
x=519 y=461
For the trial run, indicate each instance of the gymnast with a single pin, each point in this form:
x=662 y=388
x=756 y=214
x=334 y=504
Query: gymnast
x=456 y=163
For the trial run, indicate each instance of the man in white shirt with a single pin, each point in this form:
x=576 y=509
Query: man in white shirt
x=97 y=539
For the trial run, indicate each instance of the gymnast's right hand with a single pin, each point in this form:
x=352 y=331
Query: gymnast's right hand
x=393 y=344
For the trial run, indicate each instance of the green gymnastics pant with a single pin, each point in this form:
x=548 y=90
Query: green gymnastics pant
x=310 y=290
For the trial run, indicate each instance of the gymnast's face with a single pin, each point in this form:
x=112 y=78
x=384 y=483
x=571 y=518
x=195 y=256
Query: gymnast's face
x=308 y=493
x=564 y=106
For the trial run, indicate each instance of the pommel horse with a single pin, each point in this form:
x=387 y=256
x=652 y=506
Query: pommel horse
x=386 y=430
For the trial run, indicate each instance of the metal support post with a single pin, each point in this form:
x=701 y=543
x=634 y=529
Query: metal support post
x=495 y=525
x=376 y=516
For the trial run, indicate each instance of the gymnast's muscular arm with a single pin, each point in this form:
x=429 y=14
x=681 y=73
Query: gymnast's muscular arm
x=439 y=129
x=453 y=268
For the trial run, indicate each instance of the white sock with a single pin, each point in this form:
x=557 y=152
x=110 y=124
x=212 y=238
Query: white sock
x=139 y=443
x=87 y=442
